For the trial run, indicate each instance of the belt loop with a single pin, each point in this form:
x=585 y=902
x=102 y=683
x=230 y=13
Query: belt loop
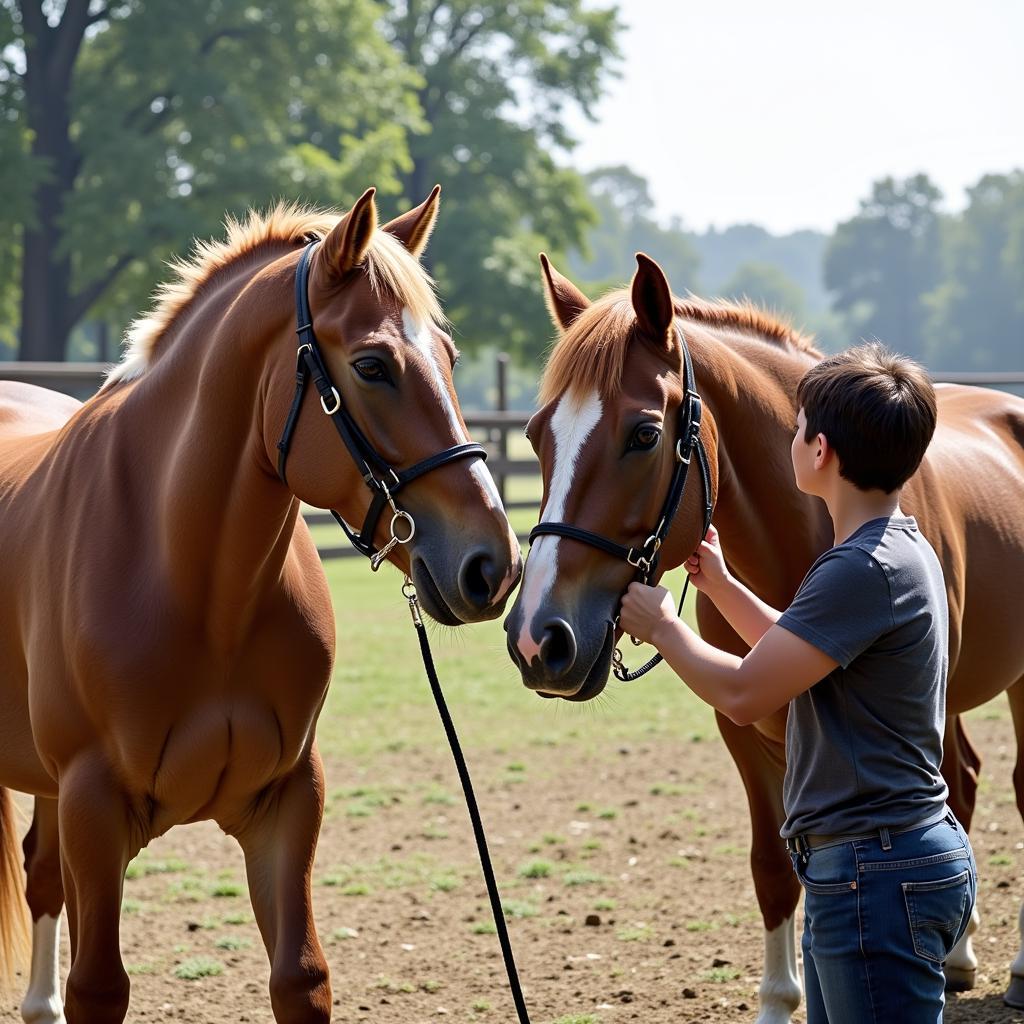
x=883 y=834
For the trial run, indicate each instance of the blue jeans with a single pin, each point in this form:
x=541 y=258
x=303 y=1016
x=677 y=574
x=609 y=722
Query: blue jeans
x=879 y=923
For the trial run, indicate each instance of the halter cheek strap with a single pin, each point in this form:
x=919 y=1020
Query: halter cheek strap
x=383 y=481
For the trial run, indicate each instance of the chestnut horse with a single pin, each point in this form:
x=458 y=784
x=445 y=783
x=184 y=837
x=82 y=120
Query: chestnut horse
x=166 y=631
x=610 y=391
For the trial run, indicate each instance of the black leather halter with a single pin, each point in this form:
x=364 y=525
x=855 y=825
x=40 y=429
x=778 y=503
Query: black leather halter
x=383 y=481
x=645 y=558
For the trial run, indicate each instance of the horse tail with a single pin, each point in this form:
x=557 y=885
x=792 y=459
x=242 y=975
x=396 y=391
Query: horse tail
x=15 y=935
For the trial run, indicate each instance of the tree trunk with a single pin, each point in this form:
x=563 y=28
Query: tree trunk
x=47 y=303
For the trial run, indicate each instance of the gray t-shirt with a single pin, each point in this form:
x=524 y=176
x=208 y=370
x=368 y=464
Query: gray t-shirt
x=864 y=745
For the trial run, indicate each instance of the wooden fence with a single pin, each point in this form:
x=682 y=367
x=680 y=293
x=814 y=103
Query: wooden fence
x=492 y=429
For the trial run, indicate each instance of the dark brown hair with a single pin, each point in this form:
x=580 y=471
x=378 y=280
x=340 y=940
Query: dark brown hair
x=877 y=410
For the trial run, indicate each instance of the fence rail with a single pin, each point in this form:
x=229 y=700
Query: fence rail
x=490 y=427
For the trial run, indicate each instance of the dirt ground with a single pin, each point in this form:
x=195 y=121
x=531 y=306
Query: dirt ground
x=625 y=876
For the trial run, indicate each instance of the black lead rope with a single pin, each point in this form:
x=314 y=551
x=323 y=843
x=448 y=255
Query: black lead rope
x=409 y=591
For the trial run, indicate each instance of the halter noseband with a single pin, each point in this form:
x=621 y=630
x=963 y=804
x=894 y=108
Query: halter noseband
x=382 y=480
x=645 y=558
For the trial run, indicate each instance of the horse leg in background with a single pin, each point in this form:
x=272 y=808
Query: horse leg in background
x=45 y=893
x=96 y=844
x=1015 y=991
x=762 y=766
x=278 y=839
x=960 y=766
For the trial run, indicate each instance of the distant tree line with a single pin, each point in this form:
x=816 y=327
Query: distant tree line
x=945 y=288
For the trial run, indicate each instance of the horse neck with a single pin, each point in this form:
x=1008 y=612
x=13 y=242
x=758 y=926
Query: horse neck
x=220 y=517
x=769 y=530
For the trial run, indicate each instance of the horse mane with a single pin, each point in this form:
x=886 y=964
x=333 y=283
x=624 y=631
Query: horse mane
x=592 y=352
x=389 y=265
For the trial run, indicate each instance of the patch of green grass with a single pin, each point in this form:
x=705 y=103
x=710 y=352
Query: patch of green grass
x=232 y=942
x=666 y=789
x=592 y=845
x=721 y=974
x=130 y=906
x=639 y=933
x=356 y=889
x=552 y=839
x=198 y=967
x=583 y=808
x=342 y=934
x=142 y=866
x=226 y=890
x=1000 y=860
x=430 y=985
x=579 y=877
x=480 y=1006
x=444 y=883
x=604 y=904
x=395 y=987
x=699 y=926
x=535 y=869
x=237 y=917
x=576 y=1018
x=608 y=814
x=518 y=908
x=134 y=969
x=517 y=766
x=439 y=796
x=489 y=927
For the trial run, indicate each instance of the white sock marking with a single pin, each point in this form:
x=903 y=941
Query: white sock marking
x=780 y=984
x=571 y=424
x=42 y=1003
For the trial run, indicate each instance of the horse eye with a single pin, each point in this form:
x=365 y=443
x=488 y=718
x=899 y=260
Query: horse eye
x=371 y=369
x=645 y=437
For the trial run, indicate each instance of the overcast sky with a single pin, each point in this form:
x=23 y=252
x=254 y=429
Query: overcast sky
x=782 y=112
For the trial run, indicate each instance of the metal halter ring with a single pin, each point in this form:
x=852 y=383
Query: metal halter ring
x=680 y=457
x=400 y=514
x=337 y=402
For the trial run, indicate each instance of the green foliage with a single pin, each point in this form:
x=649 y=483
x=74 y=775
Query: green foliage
x=498 y=78
x=976 y=315
x=882 y=262
x=626 y=225
x=768 y=286
x=198 y=967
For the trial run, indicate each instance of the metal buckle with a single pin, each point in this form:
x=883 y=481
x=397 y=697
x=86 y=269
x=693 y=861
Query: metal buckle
x=337 y=402
x=680 y=457
x=637 y=560
x=306 y=344
x=378 y=559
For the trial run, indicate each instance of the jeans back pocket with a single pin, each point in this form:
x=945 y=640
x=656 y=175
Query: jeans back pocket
x=937 y=911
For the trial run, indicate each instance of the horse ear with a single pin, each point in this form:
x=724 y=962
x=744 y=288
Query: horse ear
x=564 y=300
x=413 y=228
x=345 y=247
x=652 y=301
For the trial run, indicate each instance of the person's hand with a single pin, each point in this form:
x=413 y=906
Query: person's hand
x=706 y=565
x=644 y=610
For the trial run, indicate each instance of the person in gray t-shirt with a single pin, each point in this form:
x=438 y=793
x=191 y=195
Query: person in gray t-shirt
x=860 y=657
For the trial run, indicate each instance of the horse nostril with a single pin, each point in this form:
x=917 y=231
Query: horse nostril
x=557 y=648
x=478 y=579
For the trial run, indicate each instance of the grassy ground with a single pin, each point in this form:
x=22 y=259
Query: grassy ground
x=380 y=699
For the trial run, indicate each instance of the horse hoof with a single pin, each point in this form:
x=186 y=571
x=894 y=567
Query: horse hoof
x=961 y=979
x=1015 y=993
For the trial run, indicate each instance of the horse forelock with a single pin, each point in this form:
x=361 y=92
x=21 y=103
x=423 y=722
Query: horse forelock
x=391 y=270
x=593 y=351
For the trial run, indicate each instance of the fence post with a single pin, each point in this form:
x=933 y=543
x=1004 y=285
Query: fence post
x=501 y=366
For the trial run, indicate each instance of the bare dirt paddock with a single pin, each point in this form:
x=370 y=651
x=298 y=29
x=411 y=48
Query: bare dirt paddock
x=624 y=875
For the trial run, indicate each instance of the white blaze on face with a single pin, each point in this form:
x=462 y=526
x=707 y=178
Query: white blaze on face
x=571 y=424
x=421 y=339
x=42 y=1003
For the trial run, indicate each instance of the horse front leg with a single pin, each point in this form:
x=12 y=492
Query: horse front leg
x=97 y=840
x=44 y=892
x=278 y=839
x=762 y=766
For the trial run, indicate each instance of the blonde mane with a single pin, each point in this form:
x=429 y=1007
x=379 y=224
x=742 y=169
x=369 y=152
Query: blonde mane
x=592 y=354
x=389 y=266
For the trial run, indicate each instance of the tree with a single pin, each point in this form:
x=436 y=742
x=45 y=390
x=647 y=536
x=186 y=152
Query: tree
x=497 y=78
x=138 y=123
x=977 y=313
x=625 y=226
x=882 y=261
x=768 y=286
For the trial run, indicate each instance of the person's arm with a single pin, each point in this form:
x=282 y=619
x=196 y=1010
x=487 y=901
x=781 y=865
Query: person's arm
x=748 y=615
x=780 y=666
